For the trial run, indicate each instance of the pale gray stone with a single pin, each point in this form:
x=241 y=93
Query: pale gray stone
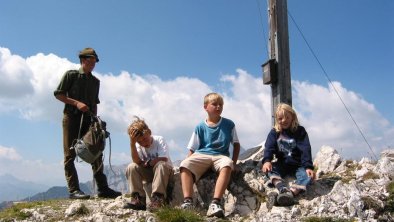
x=326 y=160
x=73 y=208
x=327 y=197
x=355 y=206
x=385 y=166
x=389 y=153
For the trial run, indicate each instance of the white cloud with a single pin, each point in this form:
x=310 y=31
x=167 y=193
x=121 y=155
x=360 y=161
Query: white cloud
x=173 y=107
x=328 y=122
x=27 y=85
x=15 y=75
x=248 y=104
x=9 y=153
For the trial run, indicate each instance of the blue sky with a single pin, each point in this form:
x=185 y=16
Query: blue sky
x=159 y=58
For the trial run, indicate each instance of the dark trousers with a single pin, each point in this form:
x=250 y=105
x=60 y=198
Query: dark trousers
x=71 y=124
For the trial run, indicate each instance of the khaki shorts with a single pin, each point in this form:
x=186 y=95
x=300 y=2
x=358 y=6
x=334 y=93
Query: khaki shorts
x=199 y=163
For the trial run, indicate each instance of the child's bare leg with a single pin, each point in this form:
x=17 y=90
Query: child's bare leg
x=187 y=182
x=295 y=191
x=222 y=182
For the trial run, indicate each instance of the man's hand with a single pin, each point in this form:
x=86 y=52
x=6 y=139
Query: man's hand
x=82 y=106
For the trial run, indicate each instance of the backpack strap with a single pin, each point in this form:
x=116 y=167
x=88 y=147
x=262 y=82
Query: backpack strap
x=80 y=126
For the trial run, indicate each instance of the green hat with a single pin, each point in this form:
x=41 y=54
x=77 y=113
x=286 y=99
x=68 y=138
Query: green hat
x=88 y=52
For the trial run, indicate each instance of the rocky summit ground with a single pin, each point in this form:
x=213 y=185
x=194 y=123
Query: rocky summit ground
x=345 y=190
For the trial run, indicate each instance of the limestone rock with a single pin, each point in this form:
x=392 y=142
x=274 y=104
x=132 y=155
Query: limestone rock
x=352 y=190
x=326 y=160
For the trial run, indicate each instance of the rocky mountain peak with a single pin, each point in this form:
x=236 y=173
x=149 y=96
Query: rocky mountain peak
x=347 y=189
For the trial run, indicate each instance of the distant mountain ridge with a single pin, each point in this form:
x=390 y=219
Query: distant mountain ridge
x=13 y=188
x=57 y=192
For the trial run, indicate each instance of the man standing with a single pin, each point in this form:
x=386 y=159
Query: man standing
x=79 y=90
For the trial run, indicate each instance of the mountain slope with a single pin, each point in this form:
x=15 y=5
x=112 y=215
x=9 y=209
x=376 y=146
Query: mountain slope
x=16 y=189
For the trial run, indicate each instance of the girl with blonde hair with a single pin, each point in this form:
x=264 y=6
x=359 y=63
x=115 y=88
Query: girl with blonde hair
x=288 y=141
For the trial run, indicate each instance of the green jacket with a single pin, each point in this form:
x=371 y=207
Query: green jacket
x=79 y=86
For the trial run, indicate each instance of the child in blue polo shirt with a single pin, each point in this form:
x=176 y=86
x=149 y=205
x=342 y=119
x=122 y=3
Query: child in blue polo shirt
x=209 y=148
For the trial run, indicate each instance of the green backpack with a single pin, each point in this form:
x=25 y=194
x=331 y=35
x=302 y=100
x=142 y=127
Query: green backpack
x=90 y=146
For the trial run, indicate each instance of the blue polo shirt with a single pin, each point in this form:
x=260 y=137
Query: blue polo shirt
x=213 y=140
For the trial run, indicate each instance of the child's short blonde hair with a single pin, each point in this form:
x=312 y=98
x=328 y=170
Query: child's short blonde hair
x=213 y=97
x=139 y=125
x=282 y=108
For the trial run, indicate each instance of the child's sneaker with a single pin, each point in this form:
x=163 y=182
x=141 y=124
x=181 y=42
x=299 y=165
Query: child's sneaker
x=215 y=209
x=187 y=204
x=271 y=200
x=285 y=198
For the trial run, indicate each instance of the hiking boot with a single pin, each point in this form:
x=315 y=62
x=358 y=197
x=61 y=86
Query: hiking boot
x=108 y=193
x=286 y=198
x=78 y=195
x=187 y=204
x=157 y=201
x=282 y=187
x=137 y=202
x=215 y=209
x=271 y=200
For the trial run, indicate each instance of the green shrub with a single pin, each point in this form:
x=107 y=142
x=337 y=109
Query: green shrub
x=15 y=213
x=370 y=203
x=83 y=210
x=325 y=219
x=177 y=215
x=390 y=188
x=349 y=174
x=390 y=200
x=370 y=175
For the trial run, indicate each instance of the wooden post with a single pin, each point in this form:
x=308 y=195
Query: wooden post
x=279 y=52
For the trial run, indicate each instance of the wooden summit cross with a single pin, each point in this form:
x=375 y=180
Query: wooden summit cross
x=276 y=71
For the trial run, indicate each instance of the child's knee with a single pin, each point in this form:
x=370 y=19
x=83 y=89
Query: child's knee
x=184 y=170
x=226 y=169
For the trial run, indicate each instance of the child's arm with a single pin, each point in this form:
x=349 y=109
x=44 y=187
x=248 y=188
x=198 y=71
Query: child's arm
x=236 y=145
x=270 y=148
x=134 y=153
x=267 y=167
x=237 y=148
x=306 y=150
x=194 y=143
x=306 y=153
x=310 y=173
x=155 y=160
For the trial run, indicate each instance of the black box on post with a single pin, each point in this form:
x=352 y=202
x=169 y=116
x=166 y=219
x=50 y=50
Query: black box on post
x=269 y=72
